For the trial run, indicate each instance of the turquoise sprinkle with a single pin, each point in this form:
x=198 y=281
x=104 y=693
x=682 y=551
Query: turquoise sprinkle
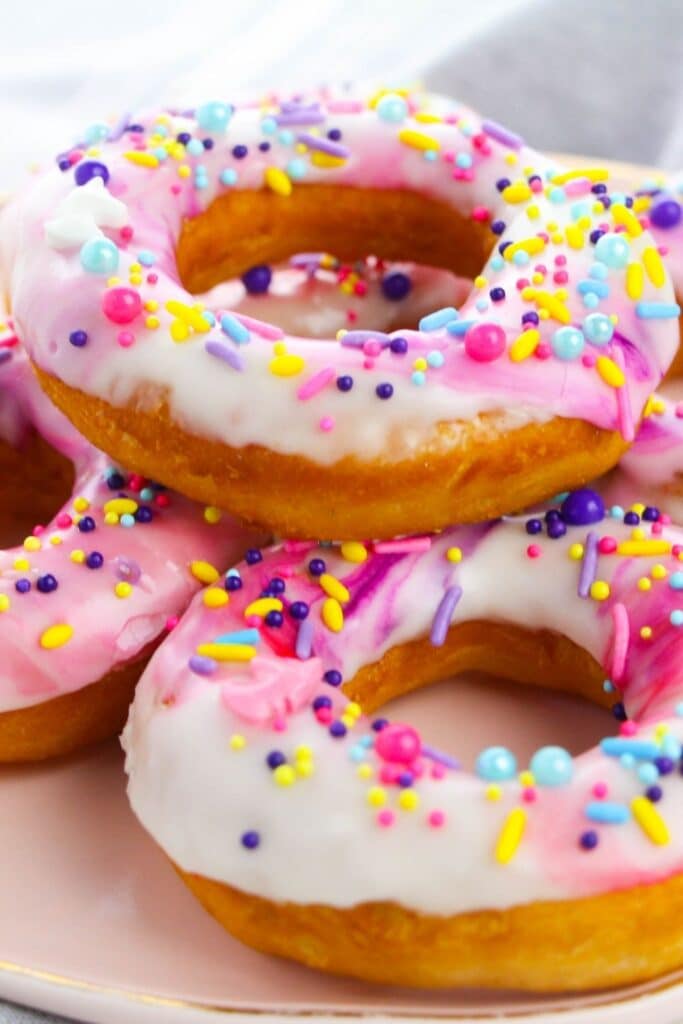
x=521 y=258
x=552 y=766
x=228 y=176
x=676 y=580
x=608 y=686
x=269 y=126
x=613 y=250
x=209 y=317
x=459 y=327
x=464 y=161
x=496 y=764
x=297 y=169
x=96 y=133
x=497 y=263
x=214 y=117
x=607 y=813
x=671 y=747
x=643 y=750
x=616 y=512
x=127 y=520
x=568 y=343
x=557 y=194
x=430 y=155
x=418 y=377
x=438 y=319
x=357 y=753
x=286 y=137
x=481 y=305
x=147 y=494
x=100 y=256
x=239 y=636
x=598 y=329
x=676 y=617
x=647 y=774
x=435 y=359
x=194 y=147
x=160 y=153
x=234 y=329
x=579 y=210
x=392 y=108
x=657 y=310
x=147 y=258
x=600 y=288
x=679 y=709
x=590 y=300
x=599 y=271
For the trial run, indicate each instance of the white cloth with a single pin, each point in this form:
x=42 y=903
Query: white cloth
x=580 y=77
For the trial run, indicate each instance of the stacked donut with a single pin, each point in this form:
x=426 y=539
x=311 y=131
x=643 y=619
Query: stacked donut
x=396 y=462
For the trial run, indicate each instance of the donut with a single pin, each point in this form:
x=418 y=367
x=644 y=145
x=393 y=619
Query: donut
x=314 y=828
x=541 y=375
x=85 y=599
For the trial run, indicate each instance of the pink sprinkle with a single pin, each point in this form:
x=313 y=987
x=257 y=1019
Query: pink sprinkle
x=600 y=790
x=404 y=546
x=543 y=350
x=656 y=529
x=368 y=364
x=536 y=185
x=162 y=500
x=628 y=728
x=529 y=795
x=588 y=360
x=75 y=156
x=436 y=819
x=665 y=520
x=438 y=771
x=351 y=316
x=578 y=187
x=360 y=288
x=522 y=282
x=126 y=232
x=372 y=347
x=622 y=632
x=64 y=520
x=327 y=424
x=298 y=547
x=315 y=383
x=560 y=261
x=560 y=277
x=607 y=545
x=172 y=622
x=625 y=415
x=534 y=551
x=385 y=818
x=253 y=620
x=462 y=174
x=541 y=268
x=481 y=214
x=663 y=250
x=387 y=775
x=324 y=715
x=449 y=157
x=679 y=410
x=268 y=331
x=176 y=189
x=280 y=724
x=136 y=482
x=152 y=278
x=125 y=339
x=38 y=530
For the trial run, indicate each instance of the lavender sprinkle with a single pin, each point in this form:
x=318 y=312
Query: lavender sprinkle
x=444 y=614
x=222 y=351
x=589 y=564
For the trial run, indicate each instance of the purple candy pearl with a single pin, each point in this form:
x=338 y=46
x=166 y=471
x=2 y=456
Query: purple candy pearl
x=257 y=279
x=666 y=213
x=582 y=507
x=396 y=285
x=89 y=169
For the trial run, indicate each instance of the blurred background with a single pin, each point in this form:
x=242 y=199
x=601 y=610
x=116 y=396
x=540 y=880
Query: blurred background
x=598 y=77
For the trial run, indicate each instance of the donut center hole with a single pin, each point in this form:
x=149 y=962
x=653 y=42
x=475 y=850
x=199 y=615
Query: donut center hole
x=35 y=481
x=464 y=715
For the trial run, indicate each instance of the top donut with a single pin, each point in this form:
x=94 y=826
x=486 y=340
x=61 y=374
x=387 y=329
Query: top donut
x=535 y=384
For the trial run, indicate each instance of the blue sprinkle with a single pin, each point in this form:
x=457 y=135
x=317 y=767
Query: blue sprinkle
x=239 y=636
x=228 y=176
x=99 y=256
x=269 y=126
x=127 y=520
x=214 y=117
x=607 y=813
x=600 y=288
x=439 y=318
x=676 y=580
x=676 y=617
x=147 y=258
x=296 y=169
x=234 y=329
x=436 y=359
x=643 y=750
x=418 y=378
x=195 y=147
x=459 y=327
x=657 y=310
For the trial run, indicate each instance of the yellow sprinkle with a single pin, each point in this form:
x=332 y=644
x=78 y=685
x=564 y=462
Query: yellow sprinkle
x=111 y=519
x=334 y=588
x=654 y=268
x=204 y=571
x=184 y=171
x=262 y=605
x=305 y=768
x=658 y=572
x=286 y=365
x=212 y=514
x=55 y=539
x=284 y=775
x=644 y=583
x=364 y=771
x=575 y=236
x=644 y=547
x=526 y=778
x=454 y=555
x=120 y=506
x=354 y=551
x=518 y=192
x=237 y=742
x=277 y=180
x=56 y=636
x=599 y=590
x=650 y=820
x=646 y=632
x=21 y=564
x=123 y=589
x=376 y=796
x=4 y=602
x=354 y=709
x=215 y=597
x=634 y=281
x=152 y=322
x=510 y=835
x=623 y=216
x=576 y=552
x=319 y=159
x=190 y=315
x=32 y=544
x=418 y=140
x=77 y=556
x=531 y=246
x=424 y=117
x=303 y=752
x=142 y=159
x=151 y=305
x=639 y=508
x=420 y=364
x=610 y=372
x=657 y=405
x=556 y=308
x=227 y=652
x=332 y=615
x=524 y=345
x=533 y=212
x=480 y=282
x=493 y=792
x=348 y=720
x=592 y=173
x=408 y=800
x=81 y=504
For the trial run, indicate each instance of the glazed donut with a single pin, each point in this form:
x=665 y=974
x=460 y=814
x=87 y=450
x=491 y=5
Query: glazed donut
x=348 y=843
x=541 y=376
x=85 y=599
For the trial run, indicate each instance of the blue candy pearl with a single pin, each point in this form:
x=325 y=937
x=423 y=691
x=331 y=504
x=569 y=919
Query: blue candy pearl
x=228 y=176
x=392 y=107
x=496 y=764
x=676 y=580
x=99 y=256
x=568 y=343
x=552 y=766
x=296 y=169
x=214 y=117
x=612 y=250
x=96 y=133
x=598 y=328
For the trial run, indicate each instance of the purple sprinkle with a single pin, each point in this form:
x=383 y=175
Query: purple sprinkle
x=502 y=135
x=589 y=564
x=300 y=117
x=127 y=569
x=304 y=640
x=202 y=666
x=5 y=355
x=225 y=353
x=438 y=755
x=119 y=128
x=356 y=339
x=323 y=145
x=444 y=614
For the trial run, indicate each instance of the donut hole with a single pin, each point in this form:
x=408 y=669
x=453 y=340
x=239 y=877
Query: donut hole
x=244 y=228
x=35 y=481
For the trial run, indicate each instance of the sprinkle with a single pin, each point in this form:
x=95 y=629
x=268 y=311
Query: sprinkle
x=620 y=641
x=650 y=821
x=141 y=159
x=444 y=614
x=277 y=180
x=284 y=775
x=438 y=319
x=239 y=636
x=623 y=216
x=264 y=330
x=531 y=246
x=286 y=365
x=204 y=572
x=632 y=548
x=503 y=135
x=117 y=507
x=234 y=329
x=599 y=590
x=516 y=193
x=454 y=555
x=595 y=174
x=237 y=741
x=334 y=588
x=617 y=746
x=654 y=268
x=332 y=615
x=404 y=546
x=354 y=551
x=4 y=603
x=316 y=383
x=610 y=372
x=56 y=636
x=626 y=424
x=511 y=835
x=588 y=564
x=418 y=140
x=201 y=666
x=358 y=339
x=227 y=652
x=657 y=310
x=123 y=589
x=215 y=597
x=408 y=800
x=304 y=640
x=191 y=316
x=524 y=345
x=262 y=606
x=320 y=144
x=224 y=353
x=607 y=813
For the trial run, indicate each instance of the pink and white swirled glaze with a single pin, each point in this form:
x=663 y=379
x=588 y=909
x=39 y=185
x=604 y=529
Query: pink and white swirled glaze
x=154 y=558
x=204 y=726
x=159 y=172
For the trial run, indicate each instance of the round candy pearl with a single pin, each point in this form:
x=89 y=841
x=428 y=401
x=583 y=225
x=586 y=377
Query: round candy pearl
x=582 y=507
x=665 y=213
x=392 y=107
x=96 y=133
x=496 y=764
x=99 y=256
x=257 y=279
x=612 y=250
x=214 y=117
x=598 y=328
x=89 y=169
x=396 y=285
x=121 y=305
x=568 y=343
x=485 y=342
x=399 y=744
x=552 y=766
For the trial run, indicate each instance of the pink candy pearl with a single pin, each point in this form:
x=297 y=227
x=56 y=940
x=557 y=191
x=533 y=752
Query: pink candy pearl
x=121 y=305
x=398 y=743
x=436 y=819
x=606 y=545
x=385 y=818
x=600 y=790
x=485 y=342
